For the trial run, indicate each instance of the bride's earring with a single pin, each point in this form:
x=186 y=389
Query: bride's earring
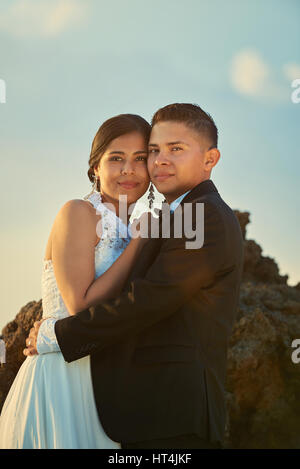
x=151 y=195
x=97 y=184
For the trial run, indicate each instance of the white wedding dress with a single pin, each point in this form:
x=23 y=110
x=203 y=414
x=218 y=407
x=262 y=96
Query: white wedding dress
x=51 y=404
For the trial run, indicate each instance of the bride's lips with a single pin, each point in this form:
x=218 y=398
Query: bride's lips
x=128 y=184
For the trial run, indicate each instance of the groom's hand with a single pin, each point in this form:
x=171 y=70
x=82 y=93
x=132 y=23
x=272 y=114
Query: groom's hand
x=31 y=349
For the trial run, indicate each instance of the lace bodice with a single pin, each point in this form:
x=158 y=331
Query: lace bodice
x=114 y=237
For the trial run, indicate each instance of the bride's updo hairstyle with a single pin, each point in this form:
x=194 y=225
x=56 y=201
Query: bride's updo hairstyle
x=113 y=128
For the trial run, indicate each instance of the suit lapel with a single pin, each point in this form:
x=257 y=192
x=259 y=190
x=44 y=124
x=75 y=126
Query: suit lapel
x=205 y=187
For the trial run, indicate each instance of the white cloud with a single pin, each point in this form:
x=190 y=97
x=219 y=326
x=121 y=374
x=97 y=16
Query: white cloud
x=250 y=75
x=291 y=71
x=42 y=18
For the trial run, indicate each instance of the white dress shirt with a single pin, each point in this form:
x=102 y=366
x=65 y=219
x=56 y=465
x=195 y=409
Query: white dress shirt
x=175 y=203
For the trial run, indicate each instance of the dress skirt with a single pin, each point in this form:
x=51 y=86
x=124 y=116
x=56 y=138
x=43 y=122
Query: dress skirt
x=51 y=406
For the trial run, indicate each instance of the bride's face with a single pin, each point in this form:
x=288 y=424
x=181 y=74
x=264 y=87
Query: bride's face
x=123 y=169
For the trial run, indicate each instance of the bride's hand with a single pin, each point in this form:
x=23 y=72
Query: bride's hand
x=31 y=340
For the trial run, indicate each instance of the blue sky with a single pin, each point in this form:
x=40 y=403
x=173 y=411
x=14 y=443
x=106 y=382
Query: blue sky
x=70 y=64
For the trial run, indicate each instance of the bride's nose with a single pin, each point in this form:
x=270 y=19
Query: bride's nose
x=128 y=168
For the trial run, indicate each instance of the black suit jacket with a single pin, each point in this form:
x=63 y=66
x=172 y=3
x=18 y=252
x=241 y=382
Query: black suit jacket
x=158 y=352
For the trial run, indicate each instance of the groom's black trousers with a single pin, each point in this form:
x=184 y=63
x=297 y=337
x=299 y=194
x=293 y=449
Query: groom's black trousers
x=178 y=442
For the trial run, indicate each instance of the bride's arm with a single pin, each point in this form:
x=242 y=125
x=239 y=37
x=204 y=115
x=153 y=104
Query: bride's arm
x=73 y=256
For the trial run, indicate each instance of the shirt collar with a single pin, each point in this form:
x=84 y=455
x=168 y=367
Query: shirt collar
x=175 y=203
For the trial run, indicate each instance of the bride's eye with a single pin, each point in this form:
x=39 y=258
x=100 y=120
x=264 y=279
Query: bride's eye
x=115 y=158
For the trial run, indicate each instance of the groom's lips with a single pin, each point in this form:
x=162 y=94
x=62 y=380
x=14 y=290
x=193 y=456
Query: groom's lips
x=162 y=176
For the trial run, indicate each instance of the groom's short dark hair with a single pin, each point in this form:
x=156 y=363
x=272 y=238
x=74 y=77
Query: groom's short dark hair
x=192 y=116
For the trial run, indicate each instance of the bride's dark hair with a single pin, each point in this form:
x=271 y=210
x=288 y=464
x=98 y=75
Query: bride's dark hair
x=111 y=129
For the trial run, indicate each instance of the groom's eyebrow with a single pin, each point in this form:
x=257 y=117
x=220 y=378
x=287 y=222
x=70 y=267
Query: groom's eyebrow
x=169 y=144
x=177 y=143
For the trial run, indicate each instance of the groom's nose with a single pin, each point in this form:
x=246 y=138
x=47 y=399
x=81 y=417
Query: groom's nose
x=161 y=158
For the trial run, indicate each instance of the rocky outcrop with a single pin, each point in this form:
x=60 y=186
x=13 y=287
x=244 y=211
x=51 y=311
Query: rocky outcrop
x=263 y=383
x=14 y=335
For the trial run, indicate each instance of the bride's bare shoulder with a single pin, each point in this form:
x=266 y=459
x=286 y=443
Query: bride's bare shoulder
x=76 y=216
x=76 y=209
x=80 y=205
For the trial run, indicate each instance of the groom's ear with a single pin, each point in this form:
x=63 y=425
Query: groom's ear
x=212 y=157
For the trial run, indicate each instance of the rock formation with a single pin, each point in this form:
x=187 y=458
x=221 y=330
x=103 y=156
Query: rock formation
x=263 y=383
x=14 y=335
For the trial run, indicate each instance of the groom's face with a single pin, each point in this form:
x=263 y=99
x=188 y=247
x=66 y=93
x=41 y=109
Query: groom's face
x=179 y=158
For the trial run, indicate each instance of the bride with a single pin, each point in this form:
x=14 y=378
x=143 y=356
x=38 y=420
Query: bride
x=89 y=256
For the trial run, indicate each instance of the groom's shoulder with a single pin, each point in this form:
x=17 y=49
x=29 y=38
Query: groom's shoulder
x=214 y=204
x=211 y=201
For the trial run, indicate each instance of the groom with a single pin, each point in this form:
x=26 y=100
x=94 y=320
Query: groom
x=158 y=351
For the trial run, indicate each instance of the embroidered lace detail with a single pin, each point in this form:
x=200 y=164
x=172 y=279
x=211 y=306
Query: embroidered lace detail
x=114 y=237
x=95 y=198
x=53 y=304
